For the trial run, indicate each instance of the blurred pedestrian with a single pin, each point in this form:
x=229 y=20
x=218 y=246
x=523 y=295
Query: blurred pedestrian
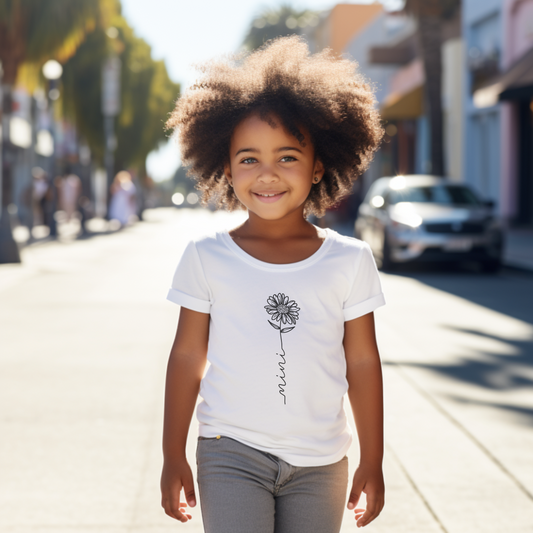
x=40 y=190
x=86 y=208
x=69 y=194
x=281 y=309
x=123 y=203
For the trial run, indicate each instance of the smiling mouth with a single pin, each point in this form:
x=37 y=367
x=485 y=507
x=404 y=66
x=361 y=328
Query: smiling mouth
x=269 y=196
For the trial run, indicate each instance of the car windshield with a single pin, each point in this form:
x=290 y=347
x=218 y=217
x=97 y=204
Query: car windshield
x=438 y=194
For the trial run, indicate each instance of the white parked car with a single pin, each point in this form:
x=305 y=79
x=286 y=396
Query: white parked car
x=427 y=218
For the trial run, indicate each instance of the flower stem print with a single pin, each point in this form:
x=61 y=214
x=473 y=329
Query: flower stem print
x=284 y=311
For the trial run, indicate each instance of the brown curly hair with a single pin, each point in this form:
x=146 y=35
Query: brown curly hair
x=320 y=92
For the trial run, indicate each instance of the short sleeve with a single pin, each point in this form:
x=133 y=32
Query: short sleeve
x=365 y=295
x=189 y=286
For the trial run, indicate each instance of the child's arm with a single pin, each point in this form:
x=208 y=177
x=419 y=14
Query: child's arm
x=365 y=391
x=185 y=370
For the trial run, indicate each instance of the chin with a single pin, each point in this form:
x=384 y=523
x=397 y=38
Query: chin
x=268 y=216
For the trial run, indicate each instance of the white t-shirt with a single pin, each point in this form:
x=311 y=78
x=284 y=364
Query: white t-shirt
x=277 y=374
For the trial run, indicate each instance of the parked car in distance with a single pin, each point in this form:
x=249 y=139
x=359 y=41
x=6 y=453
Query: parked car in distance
x=428 y=218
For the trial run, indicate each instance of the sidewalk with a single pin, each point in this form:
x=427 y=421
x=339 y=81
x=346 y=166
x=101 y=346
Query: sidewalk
x=85 y=337
x=519 y=248
x=66 y=231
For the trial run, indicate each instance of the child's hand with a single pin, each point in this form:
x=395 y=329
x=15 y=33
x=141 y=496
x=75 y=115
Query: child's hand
x=370 y=481
x=174 y=477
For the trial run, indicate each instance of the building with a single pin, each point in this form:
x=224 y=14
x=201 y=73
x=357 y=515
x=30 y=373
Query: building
x=499 y=104
x=516 y=85
x=384 y=28
x=335 y=30
x=340 y=24
x=482 y=30
x=402 y=104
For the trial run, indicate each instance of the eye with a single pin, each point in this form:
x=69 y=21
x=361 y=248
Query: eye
x=287 y=159
x=249 y=160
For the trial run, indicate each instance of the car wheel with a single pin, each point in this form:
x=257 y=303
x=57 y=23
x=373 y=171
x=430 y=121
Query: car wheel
x=493 y=259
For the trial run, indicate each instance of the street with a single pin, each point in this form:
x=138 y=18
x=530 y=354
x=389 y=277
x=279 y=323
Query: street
x=85 y=335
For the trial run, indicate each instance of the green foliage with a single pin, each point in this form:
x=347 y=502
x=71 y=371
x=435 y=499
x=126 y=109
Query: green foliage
x=277 y=23
x=74 y=32
x=37 y=30
x=81 y=84
x=147 y=95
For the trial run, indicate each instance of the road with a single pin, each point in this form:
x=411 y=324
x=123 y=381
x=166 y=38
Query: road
x=85 y=334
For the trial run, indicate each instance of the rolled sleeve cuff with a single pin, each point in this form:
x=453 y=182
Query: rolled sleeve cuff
x=190 y=302
x=363 y=308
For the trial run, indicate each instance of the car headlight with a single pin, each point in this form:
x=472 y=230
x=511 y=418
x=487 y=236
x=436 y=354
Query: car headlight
x=411 y=222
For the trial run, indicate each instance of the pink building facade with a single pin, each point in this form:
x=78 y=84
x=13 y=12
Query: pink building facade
x=517 y=114
x=498 y=104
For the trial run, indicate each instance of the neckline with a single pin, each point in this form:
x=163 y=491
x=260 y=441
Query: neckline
x=283 y=267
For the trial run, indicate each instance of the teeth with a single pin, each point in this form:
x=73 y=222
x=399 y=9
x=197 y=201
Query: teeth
x=267 y=195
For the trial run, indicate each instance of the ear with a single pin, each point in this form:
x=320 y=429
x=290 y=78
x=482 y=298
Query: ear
x=227 y=173
x=318 y=171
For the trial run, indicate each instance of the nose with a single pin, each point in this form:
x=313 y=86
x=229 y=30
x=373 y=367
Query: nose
x=267 y=175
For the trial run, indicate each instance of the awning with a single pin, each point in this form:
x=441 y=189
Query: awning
x=404 y=106
x=514 y=84
x=406 y=96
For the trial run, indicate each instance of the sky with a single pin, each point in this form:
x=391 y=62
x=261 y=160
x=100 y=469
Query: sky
x=185 y=32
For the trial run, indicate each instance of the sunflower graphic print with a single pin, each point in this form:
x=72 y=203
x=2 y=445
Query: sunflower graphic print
x=285 y=312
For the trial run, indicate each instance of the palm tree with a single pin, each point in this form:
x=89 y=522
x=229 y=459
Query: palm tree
x=430 y=15
x=32 y=31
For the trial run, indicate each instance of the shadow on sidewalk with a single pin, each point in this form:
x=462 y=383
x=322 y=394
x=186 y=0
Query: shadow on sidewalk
x=490 y=370
x=509 y=291
x=67 y=233
x=493 y=362
x=518 y=413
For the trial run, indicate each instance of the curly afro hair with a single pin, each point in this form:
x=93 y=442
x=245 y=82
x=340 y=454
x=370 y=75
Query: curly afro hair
x=320 y=92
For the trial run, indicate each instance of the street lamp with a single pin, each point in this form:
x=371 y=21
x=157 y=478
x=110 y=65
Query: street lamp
x=111 y=70
x=52 y=71
x=9 y=252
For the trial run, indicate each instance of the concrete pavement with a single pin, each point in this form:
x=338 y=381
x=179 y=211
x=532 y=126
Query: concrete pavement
x=85 y=333
x=519 y=248
x=458 y=380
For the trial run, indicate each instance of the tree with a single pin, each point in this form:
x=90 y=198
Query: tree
x=277 y=23
x=81 y=90
x=147 y=95
x=33 y=31
x=430 y=15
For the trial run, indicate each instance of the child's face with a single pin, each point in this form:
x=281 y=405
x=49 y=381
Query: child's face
x=271 y=173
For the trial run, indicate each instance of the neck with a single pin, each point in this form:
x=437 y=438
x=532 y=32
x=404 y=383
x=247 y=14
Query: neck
x=290 y=226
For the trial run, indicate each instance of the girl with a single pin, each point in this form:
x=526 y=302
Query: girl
x=281 y=309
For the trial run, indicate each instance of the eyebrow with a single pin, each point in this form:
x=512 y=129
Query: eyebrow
x=255 y=150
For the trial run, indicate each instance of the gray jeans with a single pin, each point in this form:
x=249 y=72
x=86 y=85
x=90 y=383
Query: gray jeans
x=244 y=490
